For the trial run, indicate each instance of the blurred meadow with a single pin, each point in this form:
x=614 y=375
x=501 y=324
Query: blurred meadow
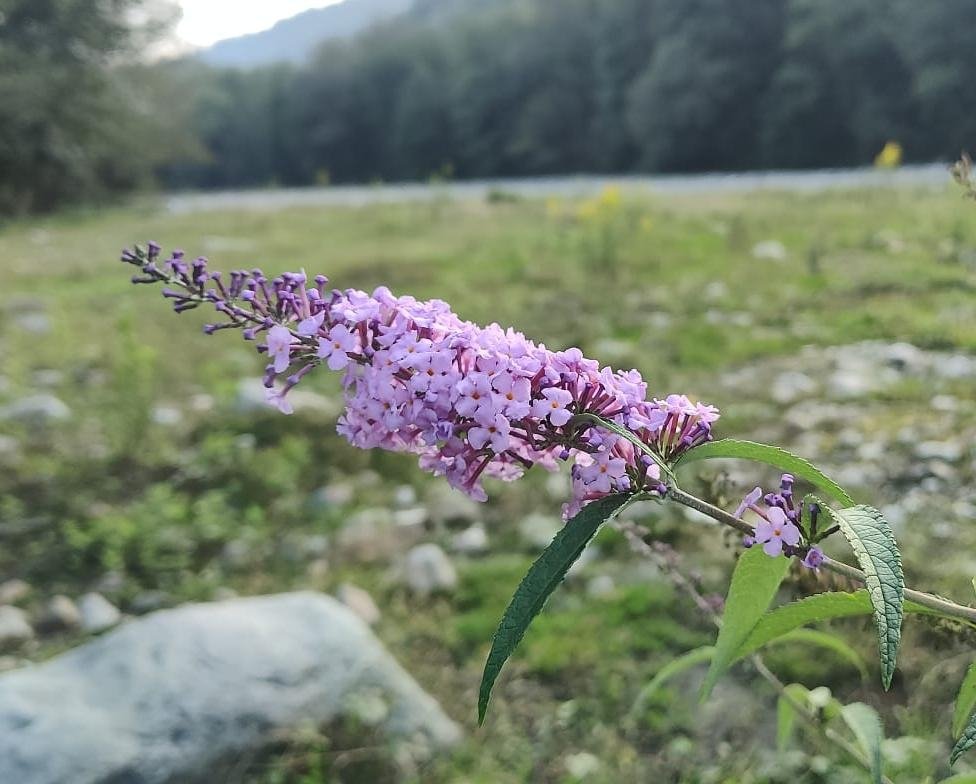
x=138 y=459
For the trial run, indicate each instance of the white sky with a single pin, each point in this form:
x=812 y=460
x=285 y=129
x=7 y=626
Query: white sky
x=207 y=21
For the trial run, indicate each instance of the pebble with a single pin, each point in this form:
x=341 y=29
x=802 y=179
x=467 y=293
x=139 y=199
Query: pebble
x=360 y=602
x=36 y=410
x=473 y=540
x=14 y=627
x=97 y=613
x=60 y=614
x=769 y=250
x=14 y=591
x=427 y=570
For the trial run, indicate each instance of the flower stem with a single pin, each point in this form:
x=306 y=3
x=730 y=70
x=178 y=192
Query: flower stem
x=942 y=606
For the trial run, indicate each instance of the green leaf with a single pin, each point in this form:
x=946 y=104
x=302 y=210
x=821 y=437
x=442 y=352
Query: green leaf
x=786 y=713
x=811 y=609
x=540 y=581
x=623 y=432
x=966 y=740
x=771 y=455
x=961 y=778
x=965 y=701
x=867 y=728
x=828 y=641
x=673 y=668
x=754 y=583
x=876 y=551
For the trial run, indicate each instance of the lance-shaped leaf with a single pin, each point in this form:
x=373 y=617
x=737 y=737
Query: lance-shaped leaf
x=771 y=455
x=874 y=546
x=828 y=641
x=754 y=583
x=811 y=609
x=867 y=728
x=965 y=702
x=540 y=581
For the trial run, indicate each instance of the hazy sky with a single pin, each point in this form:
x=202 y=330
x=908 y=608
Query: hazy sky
x=206 y=21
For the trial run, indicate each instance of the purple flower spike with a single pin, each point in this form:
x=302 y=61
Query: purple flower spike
x=470 y=401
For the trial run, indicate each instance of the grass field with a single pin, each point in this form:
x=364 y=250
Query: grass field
x=166 y=474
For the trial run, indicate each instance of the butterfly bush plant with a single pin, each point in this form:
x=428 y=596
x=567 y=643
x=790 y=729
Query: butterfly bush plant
x=474 y=402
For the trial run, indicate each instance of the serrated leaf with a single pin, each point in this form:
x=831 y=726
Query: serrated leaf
x=967 y=740
x=869 y=731
x=828 y=641
x=771 y=455
x=965 y=701
x=811 y=609
x=672 y=669
x=540 y=581
x=874 y=546
x=755 y=581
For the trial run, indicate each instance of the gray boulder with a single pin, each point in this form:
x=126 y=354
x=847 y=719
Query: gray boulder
x=176 y=696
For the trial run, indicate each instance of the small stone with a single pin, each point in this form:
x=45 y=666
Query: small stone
x=60 y=614
x=14 y=627
x=14 y=591
x=790 y=386
x=582 y=765
x=447 y=505
x=537 y=530
x=360 y=602
x=36 y=410
x=48 y=377
x=9 y=448
x=601 y=586
x=97 y=613
x=769 y=250
x=299 y=548
x=944 y=403
x=237 y=554
x=167 y=416
x=414 y=518
x=334 y=495
x=149 y=601
x=368 y=536
x=473 y=540
x=949 y=451
x=35 y=322
x=404 y=496
x=427 y=570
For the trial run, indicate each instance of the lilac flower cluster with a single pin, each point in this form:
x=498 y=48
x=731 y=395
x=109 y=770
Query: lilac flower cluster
x=780 y=526
x=470 y=401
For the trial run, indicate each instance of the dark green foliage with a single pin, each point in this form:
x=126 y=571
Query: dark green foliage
x=526 y=87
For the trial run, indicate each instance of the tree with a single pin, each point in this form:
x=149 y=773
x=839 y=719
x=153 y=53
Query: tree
x=71 y=122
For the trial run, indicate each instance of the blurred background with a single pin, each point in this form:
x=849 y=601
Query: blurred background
x=748 y=200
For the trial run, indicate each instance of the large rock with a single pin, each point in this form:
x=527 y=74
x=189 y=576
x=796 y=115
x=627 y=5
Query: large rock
x=178 y=695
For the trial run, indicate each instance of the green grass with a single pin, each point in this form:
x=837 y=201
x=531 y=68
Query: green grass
x=666 y=285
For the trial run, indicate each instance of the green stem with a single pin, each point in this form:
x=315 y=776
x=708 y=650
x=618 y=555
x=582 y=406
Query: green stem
x=942 y=606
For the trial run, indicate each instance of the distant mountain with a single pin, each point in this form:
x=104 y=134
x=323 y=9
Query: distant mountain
x=294 y=39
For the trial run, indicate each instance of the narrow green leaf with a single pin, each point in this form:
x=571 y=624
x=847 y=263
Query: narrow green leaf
x=965 y=701
x=828 y=641
x=670 y=670
x=623 y=432
x=876 y=551
x=811 y=609
x=960 y=778
x=966 y=740
x=867 y=728
x=540 y=581
x=754 y=583
x=786 y=713
x=771 y=455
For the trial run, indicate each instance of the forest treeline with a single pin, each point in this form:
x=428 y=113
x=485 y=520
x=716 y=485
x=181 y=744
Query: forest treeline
x=486 y=88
